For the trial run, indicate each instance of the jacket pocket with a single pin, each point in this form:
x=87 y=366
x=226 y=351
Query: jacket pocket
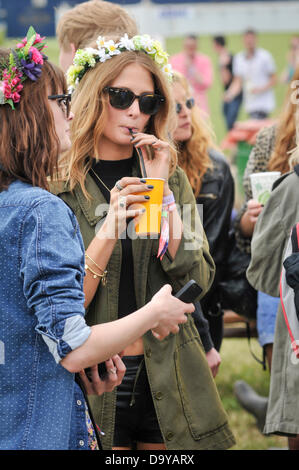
x=199 y=397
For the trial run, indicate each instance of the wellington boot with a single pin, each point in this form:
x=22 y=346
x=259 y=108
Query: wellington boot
x=252 y=402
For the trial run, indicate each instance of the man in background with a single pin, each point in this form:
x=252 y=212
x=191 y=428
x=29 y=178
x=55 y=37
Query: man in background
x=225 y=61
x=197 y=68
x=254 y=71
x=81 y=25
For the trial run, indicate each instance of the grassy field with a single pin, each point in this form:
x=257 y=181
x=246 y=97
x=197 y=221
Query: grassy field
x=237 y=362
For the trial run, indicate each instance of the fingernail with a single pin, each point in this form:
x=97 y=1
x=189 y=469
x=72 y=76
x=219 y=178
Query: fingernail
x=146 y=197
x=142 y=180
x=150 y=186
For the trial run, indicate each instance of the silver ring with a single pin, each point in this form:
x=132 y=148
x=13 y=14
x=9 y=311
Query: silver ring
x=122 y=201
x=118 y=186
x=112 y=370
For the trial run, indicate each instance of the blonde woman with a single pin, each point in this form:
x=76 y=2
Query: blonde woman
x=168 y=398
x=213 y=187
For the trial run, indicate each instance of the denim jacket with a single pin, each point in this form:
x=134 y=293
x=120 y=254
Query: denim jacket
x=41 y=321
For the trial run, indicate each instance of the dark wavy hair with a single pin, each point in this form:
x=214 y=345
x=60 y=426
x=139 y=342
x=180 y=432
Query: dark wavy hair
x=29 y=145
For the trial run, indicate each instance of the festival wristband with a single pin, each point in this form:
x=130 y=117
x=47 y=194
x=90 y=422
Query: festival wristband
x=167 y=200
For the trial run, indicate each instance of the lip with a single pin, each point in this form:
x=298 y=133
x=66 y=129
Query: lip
x=126 y=128
x=185 y=126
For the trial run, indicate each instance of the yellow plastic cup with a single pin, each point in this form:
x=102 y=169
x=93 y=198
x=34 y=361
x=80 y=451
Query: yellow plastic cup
x=149 y=223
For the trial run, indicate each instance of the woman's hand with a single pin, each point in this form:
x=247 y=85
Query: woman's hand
x=159 y=166
x=214 y=361
x=171 y=312
x=122 y=197
x=249 y=218
x=116 y=371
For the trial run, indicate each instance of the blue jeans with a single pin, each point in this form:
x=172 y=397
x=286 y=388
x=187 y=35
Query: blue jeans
x=266 y=318
x=230 y=111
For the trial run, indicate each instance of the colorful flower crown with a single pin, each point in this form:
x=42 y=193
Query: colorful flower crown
x=87 y=58
x=25 y=61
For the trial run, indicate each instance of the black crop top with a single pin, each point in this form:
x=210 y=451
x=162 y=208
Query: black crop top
x=110 y=171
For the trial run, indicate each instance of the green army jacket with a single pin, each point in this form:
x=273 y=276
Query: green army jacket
x=271 y=234
x=186 y=400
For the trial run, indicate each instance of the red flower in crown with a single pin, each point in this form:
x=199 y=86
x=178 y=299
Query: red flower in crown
x=36 y=56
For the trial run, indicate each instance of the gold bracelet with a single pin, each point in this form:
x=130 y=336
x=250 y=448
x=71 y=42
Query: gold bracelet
x=103 y=276
x=103 y=270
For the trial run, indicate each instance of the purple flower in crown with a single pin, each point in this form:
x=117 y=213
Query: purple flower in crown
x=31 y=68
x=32 y=65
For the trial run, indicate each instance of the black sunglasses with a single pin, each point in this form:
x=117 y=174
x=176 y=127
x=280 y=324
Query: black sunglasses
x=189 y=103
x=64 y=102
x=122 y=98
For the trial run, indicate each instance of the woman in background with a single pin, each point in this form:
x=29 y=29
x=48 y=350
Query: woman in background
x=271 y=152
x=213 y=187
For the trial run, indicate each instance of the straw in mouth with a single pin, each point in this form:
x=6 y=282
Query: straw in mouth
x=143 y=170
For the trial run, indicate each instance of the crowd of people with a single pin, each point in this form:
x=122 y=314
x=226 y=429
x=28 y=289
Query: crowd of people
x=99 y=353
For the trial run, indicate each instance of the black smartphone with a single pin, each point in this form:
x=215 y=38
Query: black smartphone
x=189 y=292
x=103 y=373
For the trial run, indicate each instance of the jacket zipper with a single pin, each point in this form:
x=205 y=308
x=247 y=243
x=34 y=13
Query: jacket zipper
x=209 y=195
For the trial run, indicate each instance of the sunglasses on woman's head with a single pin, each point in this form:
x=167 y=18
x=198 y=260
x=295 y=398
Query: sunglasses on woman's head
x=189 y=104
x=122 y=98
x=64 y=102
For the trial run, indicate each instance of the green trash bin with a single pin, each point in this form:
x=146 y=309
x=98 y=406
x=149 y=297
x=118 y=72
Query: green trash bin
x=241 y=158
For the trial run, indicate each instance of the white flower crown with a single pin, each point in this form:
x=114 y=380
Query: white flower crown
x=87 y=58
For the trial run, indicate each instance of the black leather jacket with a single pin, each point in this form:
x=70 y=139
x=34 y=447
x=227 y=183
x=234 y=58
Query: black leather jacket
x=217 y=197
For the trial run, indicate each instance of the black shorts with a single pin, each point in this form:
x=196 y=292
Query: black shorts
x=135 y=419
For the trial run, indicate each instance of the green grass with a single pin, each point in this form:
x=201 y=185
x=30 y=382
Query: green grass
x=238 y=364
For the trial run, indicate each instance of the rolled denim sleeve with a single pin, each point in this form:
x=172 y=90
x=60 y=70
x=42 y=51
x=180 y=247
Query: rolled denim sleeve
x=52 y=273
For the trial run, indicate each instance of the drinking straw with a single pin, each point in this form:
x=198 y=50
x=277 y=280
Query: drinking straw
x=143 y=170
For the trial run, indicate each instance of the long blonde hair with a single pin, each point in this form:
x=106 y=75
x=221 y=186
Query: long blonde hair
x=193 y=155
x=90 y=104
